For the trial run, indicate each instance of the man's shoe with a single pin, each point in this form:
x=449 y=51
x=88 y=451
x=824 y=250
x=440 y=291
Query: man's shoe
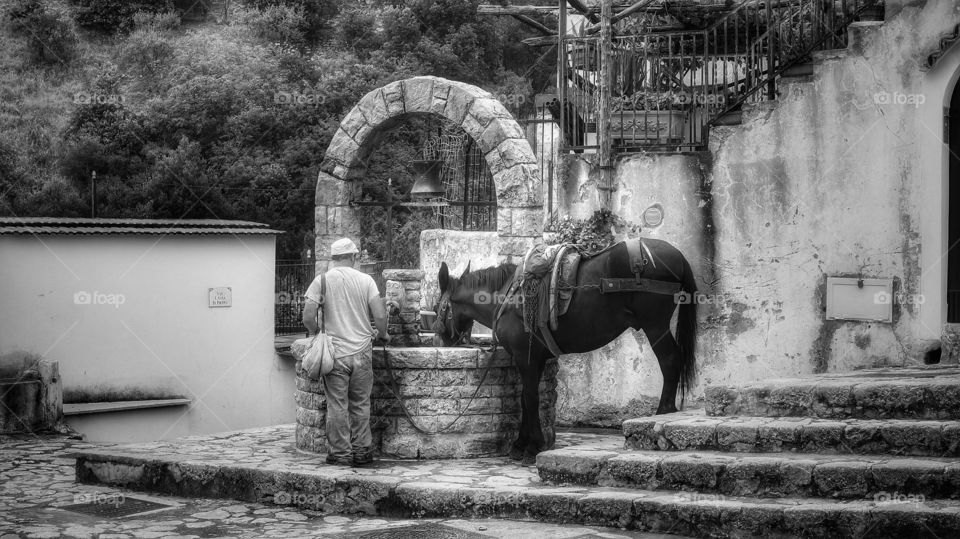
x=362 y=459
x=341 y=461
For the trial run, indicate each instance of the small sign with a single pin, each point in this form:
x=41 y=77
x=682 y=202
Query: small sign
x=867 y=300
x=220 y=297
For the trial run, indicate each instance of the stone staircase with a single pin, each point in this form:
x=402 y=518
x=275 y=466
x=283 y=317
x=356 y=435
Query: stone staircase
x=872 y=453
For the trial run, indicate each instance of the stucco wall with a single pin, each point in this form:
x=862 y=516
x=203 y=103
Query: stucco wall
x=162 y=340
x=824 y=182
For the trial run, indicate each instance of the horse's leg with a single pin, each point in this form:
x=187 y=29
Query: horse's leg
x=530 y=376
x=516 y=450
x=668 y=353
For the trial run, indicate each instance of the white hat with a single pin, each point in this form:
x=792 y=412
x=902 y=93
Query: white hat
x=343 y=246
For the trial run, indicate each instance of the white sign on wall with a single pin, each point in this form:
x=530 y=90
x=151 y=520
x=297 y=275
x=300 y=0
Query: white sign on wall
x=849 y=298
x=220 y=297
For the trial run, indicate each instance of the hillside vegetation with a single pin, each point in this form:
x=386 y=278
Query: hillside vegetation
x=185 y=113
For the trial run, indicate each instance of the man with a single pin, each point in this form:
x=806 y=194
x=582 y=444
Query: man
x=351 y=298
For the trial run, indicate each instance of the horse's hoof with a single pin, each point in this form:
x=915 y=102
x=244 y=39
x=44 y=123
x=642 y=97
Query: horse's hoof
x=515 y=454
x=529 y=460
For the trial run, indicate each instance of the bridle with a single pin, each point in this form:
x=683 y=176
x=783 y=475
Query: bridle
x=445 y=316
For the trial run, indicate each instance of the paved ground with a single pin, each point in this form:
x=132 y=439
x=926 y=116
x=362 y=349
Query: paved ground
x=37 y=479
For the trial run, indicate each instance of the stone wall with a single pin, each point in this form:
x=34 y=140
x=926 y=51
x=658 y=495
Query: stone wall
x=823 y=182
x=31 y=395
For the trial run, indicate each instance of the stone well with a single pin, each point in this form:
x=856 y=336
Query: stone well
x=435 y=385
x=440 y=389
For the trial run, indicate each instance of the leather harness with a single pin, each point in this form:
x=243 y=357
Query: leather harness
x=640 y=256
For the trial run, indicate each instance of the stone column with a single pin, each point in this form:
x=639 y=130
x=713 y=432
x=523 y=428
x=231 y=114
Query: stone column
x=403 y=288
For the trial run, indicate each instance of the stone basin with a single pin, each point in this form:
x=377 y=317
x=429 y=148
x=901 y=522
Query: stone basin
x=441 y=391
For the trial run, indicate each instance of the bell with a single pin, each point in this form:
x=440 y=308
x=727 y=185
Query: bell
x=428 y=183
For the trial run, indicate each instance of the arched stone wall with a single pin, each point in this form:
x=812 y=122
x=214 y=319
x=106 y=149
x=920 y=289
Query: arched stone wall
x=507 y=152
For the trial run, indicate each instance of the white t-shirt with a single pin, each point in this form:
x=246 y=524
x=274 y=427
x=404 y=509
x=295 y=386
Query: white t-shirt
x=347 y=308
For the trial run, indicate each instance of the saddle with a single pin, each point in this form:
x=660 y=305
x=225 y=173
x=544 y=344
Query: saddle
x=546 y=279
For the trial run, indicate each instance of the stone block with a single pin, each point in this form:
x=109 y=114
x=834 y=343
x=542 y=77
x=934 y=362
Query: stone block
x=496 y=132
x=511 y=152
x=887 y=400
x=843 y=479
x=696 y=471
x=822 y=436
x=639 y=433
x=393 y=291
x=912 y=477
x=353 y=122
x=832 y=400
x=612 y=509
x=781 y=434
x=343 y=150
x=792 y=400
x=440 y=94
x=637 y=470
x=572 y=466
x=864 y=437
x=912 y=437
x=403 y=274
x=457 y=105
x=740 y=435
x=311 y=418
x=418 y=94
x=718 y=399
x=942 y=400
x=310 y=401
x=393 y=98
x=753 y=476
x=692 y=433
x=312 y=439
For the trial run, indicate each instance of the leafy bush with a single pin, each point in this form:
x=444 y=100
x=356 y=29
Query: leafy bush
x=50 y=37
x=593 y=234
x=109 y=16
x=277 y=24
x=160 y=21
x=146 y=53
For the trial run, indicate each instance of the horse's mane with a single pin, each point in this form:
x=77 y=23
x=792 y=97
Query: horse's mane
x=494 y=276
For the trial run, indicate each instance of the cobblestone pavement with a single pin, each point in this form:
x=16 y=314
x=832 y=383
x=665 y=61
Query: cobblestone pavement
x=37 y=478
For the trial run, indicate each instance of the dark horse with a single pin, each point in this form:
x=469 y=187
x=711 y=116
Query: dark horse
x=592 y=320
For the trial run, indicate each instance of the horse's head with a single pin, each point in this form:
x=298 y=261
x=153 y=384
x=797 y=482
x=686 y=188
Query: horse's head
x=452 y=326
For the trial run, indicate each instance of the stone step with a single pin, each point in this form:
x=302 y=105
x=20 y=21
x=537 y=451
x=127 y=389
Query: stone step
x=695 y=431
x=315 y=487
x=923 y=392
x=774 y=476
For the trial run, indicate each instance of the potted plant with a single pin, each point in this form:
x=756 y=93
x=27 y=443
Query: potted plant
x=648 y=116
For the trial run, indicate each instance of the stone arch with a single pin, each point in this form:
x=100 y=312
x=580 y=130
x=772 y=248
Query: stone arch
x=509 y=156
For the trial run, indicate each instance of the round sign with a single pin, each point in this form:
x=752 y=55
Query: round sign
x=653 y=216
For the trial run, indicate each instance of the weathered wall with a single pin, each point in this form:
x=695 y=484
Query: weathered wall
x=162 y=340
x=823 y=182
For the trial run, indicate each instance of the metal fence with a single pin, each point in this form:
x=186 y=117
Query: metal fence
x=662 y=87
x=291 y=282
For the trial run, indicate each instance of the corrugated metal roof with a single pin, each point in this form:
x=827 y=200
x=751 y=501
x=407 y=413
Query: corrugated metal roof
x=75 y=225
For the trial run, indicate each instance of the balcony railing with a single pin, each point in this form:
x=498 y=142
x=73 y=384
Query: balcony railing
x=658 y=78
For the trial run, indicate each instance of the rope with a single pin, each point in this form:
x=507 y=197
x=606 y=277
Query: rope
x=395 y=390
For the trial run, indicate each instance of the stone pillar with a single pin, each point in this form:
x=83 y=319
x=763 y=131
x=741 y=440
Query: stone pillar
x=950 y=347
x=403 y=288
x=311 y=413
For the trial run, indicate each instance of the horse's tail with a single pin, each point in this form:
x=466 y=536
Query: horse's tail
x=687 y=331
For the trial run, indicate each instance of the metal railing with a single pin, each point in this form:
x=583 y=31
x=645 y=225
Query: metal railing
x=292 y=278
x=665 y=87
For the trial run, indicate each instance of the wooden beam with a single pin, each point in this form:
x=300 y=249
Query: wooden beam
x=491 y=9
x=625 y=13
x=583 y=9
x=541 y=41
x=535 y=25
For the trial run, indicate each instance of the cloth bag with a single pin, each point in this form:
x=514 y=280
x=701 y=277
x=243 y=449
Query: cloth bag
x=316 y=353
